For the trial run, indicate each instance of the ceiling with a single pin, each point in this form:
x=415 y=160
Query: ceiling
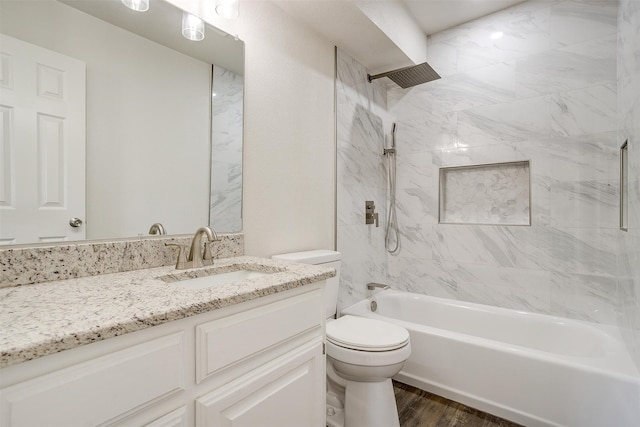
x=376 y=44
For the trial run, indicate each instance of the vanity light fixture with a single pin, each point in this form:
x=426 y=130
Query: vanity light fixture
x=228 y=9
x=192 y=27
x=137 y=5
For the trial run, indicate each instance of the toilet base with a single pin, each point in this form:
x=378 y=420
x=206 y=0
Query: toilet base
x=335 y=416
x=370 y=404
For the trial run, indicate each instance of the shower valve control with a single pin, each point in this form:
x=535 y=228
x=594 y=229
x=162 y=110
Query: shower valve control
x=370 y=214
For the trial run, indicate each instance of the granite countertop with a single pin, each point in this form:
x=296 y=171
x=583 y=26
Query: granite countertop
x=46 y=318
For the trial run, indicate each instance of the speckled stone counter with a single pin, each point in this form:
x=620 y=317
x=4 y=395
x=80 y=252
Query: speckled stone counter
x=23 y=265
x=46 y=318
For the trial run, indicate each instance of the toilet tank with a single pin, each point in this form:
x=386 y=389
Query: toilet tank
x=325 y=258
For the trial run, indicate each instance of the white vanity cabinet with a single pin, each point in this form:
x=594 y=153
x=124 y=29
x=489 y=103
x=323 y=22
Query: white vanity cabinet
x=258 y=363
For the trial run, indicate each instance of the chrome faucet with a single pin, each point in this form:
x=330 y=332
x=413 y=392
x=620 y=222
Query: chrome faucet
x=157 y=228
x=196 y=258
x=372 y=286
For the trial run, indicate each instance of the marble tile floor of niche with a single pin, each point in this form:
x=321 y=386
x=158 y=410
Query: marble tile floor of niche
x=418 y=408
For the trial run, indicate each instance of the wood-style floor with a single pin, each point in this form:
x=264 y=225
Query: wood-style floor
x=418 y=408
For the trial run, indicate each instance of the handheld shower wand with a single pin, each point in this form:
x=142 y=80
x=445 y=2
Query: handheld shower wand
x=392 y=219
x=391 y=150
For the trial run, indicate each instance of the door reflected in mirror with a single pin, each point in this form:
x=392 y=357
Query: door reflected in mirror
x=160 y=147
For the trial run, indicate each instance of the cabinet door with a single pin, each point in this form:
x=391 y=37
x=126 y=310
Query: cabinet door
x=177 y=418
x=100 y=390
x=289 y=391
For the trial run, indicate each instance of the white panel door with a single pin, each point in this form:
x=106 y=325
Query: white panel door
x=42 y=150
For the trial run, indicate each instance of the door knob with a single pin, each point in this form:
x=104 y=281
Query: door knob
x=75 y=222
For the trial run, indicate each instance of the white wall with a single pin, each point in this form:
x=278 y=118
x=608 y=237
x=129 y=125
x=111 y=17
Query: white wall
x=288 y=182
x=396 y=22
x=138 y=172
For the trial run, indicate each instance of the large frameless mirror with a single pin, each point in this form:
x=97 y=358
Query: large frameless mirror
x=113 y=121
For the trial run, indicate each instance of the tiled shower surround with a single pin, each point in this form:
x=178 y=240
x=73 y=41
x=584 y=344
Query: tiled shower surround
x=226 y=161
x=361 y=177
x=536 y=82
x=629 y=129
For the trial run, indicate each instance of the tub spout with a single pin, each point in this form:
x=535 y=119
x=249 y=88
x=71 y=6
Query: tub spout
x=372 y=286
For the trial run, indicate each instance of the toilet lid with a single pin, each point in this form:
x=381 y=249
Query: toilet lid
x=361 y=333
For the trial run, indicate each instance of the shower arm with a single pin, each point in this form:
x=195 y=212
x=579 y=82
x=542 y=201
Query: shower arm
x=410 y=76
x=370 y=78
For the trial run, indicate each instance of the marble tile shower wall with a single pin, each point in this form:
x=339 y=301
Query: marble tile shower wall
x=361 y=176
x=534 y=82
x=225 y=203
x=629 y=129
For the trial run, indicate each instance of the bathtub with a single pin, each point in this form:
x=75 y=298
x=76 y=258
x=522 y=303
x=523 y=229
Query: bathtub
x=533 y=369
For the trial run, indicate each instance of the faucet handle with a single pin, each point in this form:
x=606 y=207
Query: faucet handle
x=157 y=228
x=182 y=260
x=207 y=256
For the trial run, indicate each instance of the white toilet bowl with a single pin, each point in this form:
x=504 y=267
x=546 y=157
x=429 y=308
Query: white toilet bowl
x=366 y=353
x=362 y=356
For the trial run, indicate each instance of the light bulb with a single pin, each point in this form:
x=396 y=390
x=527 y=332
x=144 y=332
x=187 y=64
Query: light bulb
x=137 y=5
x=192 y=27
x=228 y=8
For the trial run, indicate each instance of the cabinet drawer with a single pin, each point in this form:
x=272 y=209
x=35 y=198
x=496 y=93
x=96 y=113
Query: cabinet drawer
x=177 y=418
x=99 y=390
x=225 y=342
x=288 y=391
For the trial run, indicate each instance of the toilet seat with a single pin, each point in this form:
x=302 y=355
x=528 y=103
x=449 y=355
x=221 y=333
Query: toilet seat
x=367 y=342
x=364 y=334
x=368 y=358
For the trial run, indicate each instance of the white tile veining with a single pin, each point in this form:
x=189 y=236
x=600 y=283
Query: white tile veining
x=361 y=177
x=226 y=161
x=545 y=92
x=628 y=109
x=488 y=194
x=556 y=89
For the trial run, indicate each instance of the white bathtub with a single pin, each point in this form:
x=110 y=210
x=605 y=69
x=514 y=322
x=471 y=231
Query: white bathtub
x=533 y=369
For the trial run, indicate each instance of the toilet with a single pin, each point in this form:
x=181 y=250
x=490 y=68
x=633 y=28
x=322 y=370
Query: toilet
x=362 y=356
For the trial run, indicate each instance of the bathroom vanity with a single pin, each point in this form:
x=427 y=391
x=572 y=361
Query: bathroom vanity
x=140 y=348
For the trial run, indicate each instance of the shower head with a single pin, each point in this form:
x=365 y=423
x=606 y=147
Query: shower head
x=409 y=76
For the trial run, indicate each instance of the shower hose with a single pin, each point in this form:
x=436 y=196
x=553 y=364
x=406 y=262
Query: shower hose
x=392 y=236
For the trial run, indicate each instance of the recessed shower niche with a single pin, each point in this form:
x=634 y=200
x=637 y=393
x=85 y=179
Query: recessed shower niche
x=496 y=194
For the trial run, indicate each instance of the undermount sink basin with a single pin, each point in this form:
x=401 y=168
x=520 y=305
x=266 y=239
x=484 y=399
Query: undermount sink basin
x=206 y=278
x=219 y=279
